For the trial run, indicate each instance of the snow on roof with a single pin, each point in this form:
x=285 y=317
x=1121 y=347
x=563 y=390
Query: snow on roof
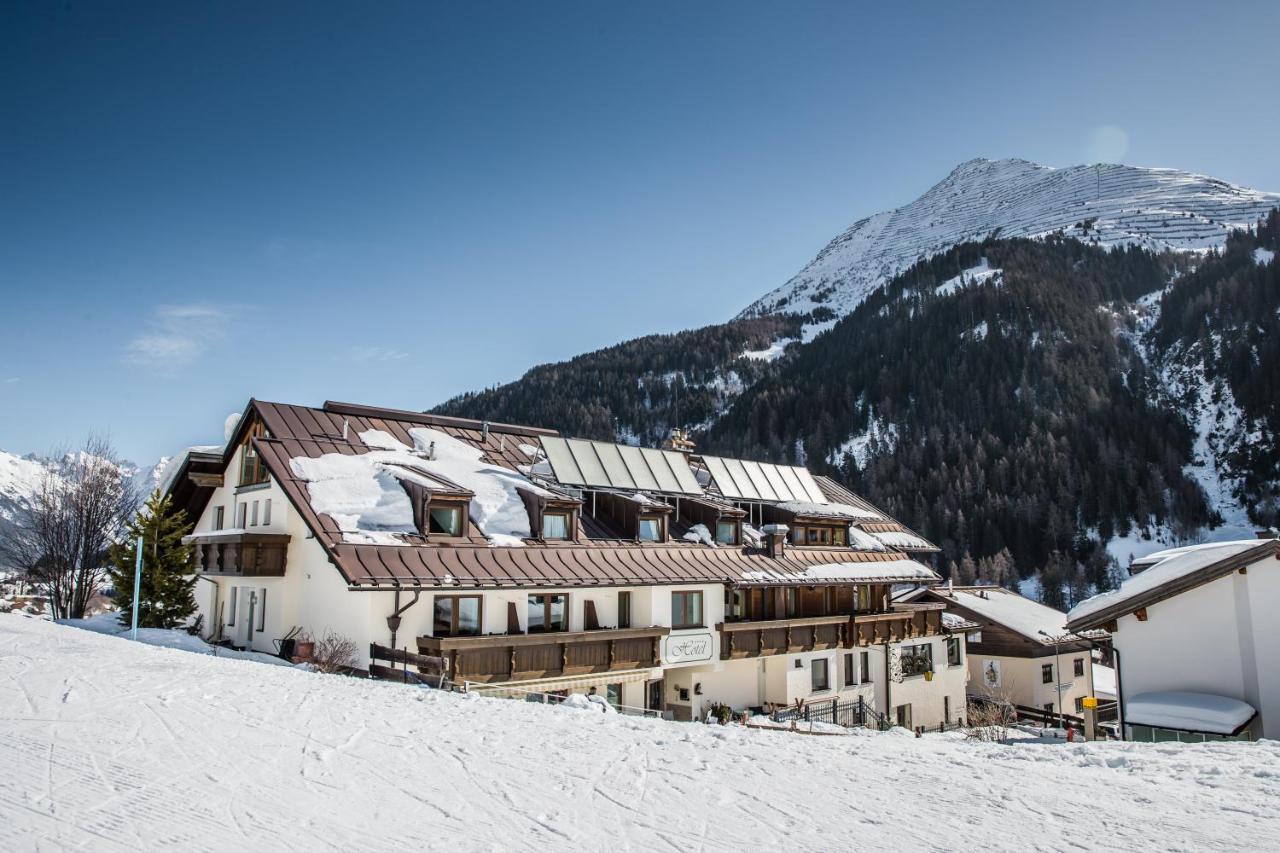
x=835 y=510
x=1193 y=712
x=1013 y=611
x=906 y=570
x=1164 y=567
x=900 y=539
x=363 y=495
x=164 y=477
x=866 y=541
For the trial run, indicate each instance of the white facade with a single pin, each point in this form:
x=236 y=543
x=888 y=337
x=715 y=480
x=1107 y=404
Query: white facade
x=1222 y=637
x=312 y=596
x=1021 y=680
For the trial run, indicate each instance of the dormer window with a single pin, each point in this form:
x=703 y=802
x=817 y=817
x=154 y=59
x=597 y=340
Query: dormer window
x=444 y=520
x=650 y=529
x=555 y=525
x=252 y=469
x=727 y=532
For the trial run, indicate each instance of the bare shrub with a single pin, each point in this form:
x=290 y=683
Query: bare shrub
x=990 y=720
x=335 y=653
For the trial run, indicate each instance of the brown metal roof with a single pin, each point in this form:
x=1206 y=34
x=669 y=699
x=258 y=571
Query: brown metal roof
x=302 y=431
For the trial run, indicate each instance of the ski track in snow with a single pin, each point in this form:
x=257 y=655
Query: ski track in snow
x=112 y=745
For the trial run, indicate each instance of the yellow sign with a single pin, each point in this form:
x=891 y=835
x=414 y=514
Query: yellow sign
x=1090 y=702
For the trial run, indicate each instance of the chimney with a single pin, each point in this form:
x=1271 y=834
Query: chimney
x=775 y=540
x=679 y=441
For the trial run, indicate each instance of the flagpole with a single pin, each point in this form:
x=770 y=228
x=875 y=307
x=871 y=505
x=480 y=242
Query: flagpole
x=137 y=586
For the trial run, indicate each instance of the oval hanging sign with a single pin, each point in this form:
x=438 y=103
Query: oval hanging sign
x=687 y=648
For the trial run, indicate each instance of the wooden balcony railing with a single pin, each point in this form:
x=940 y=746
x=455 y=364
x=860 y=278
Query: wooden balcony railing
x=815 y=633
x=519 y=657
x=781 y=636
x=249 y=555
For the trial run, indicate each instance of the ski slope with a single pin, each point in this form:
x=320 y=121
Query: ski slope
x=112 y=745
x=1156 y=209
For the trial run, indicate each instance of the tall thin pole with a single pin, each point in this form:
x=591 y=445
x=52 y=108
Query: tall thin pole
x=1057 y=671
x=137 y=587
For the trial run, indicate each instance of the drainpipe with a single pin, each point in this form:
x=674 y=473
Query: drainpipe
x=393 y=621
x=1119 y=688
x=888 y=684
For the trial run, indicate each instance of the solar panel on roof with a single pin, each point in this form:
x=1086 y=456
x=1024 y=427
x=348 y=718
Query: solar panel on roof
x=600 y=464
x=740 y=479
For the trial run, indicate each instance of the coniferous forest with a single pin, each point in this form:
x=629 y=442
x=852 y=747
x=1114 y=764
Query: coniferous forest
x=1020 y=420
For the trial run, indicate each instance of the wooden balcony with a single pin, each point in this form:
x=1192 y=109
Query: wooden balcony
x=248 y=555
x=520 y=657
x=781 y=636
x=904 y=622
x=815 y=633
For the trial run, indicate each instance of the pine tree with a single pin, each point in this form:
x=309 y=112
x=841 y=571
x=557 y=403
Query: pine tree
x=167 y=597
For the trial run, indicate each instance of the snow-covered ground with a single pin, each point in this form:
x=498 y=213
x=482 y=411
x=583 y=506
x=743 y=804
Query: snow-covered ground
x=113 y=745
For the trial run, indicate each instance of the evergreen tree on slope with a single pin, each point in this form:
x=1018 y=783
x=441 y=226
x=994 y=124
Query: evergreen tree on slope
x=167 y=597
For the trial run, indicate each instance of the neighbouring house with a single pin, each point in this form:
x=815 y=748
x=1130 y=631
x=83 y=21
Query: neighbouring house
x=664 y=579
x=1196 y=641
x=1021 y=651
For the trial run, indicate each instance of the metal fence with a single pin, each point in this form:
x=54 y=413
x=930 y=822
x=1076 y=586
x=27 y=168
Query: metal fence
x=848 y=714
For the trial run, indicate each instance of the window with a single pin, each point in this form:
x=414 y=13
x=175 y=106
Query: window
x=218 y=515
x=818 y=675
x=850 y=677
x=864 y=666
x=613 y=694
x=254 y=516
x=864 y=598
x=242 y=515
x=917 y=660
x=1046 y=674
x=903 y=715
x=1079 y=667
x=456 y=616
x=650 y=529
x=252 y=471
x=555 y=525
x=548 y=613
x=262 y=609
x=818 y=535
x=445 y=520
x=953 y=651
x=686 y=609
x=1048 y=707
x=1079 y=704
x=797 y=536
x=624 y=610
x=837 y=536
x=727 y=532
x=266 y=511
x=231 y=606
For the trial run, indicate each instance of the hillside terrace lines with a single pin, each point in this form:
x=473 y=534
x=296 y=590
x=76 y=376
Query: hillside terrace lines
x=1156 y=208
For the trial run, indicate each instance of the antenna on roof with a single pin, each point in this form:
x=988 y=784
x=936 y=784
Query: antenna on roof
x=346 y=425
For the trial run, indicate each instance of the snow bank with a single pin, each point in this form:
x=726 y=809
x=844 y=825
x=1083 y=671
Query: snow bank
x=1165 y=566
x=1195 y=712
x=110 y=745
x=980 y=274
x=108 y=624
x=364 y=496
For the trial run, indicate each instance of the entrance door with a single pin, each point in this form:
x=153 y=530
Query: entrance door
x=904 y=716
x=653 y=696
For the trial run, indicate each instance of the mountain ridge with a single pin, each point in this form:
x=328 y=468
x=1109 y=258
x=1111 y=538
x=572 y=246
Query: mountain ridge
x=1104 y=204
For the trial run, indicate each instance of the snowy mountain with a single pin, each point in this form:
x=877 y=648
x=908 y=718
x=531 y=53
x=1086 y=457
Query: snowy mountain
x=1106 y=204
x=20 y=476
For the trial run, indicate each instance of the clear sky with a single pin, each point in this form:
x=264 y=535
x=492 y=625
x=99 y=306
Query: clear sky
x=393 y=203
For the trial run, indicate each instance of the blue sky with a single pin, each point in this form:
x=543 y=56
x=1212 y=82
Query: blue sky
x=394 y=203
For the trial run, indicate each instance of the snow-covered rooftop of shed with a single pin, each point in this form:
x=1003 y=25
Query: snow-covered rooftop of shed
x=1164 y=567
x=1194 y=712
x=1015 y=612
x=363 y=495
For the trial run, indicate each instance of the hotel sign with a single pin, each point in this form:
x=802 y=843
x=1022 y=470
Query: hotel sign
x=687 y=648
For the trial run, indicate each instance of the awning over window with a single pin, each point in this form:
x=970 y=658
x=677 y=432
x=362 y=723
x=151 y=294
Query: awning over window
x=578 y=683
x=1189 y=712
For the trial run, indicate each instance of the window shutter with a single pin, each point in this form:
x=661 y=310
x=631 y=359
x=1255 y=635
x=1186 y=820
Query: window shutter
x=591 y=622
